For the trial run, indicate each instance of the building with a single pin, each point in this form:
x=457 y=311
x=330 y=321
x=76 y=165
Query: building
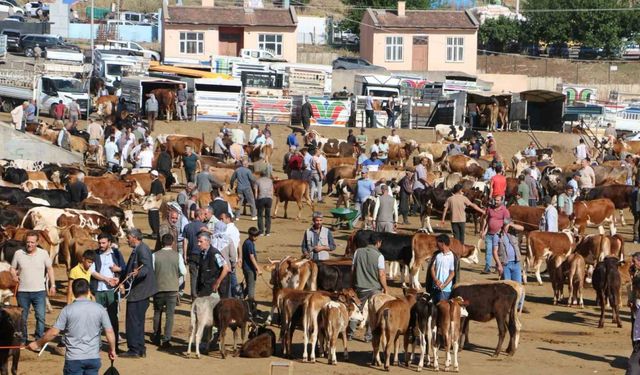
x=420 y=40
x=197 y=32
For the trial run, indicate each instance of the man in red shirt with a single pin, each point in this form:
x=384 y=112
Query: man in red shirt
x=295 y=165
x=498 y=183
x=496 y=213
x=59 y=110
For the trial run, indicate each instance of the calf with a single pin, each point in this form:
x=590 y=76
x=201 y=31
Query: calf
x=421 y=325
x=334 y=319
x=571 y=269
x=606 y=282
x=392 y=321
x=541 y=245
x=290 y=303
x=10 y=335
x=431 y=199
x=201 y=321
x=620 y=195
x=290 y=273
x=230 y=313
x=529 y=217
x=595 y=212
x=594 y=248
x=291 y=190
x=448 y=328
x=333 y=275
x=488 y=301
x=263 y=345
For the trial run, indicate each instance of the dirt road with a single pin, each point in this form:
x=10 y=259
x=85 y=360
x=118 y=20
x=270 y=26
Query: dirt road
x=555 y=339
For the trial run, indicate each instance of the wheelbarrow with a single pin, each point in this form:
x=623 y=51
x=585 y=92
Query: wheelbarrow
x=344 y=217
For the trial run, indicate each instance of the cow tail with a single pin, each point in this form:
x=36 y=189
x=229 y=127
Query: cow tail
x=314 y=276
x=307 y=196
x=514 y=316
x=529 y=252
x=621 y=240
x=351 y=244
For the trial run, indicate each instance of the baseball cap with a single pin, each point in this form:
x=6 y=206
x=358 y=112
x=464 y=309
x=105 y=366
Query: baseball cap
x=490 y=135
x=154 y=173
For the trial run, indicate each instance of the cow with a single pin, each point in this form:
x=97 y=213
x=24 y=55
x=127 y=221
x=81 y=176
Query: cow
x=431 y=199
x=421 y=323
x=454 y=133
x=395 y=247
x=121 y=218
x=230 y=313
x=448 y=314
x=201 y=321
x=8 y=217
x=345 y=189
x=571 y=269
x=338 y=148
x=166 y=101
x=292 y=190
x=55 y=198
x=258 y=152
x=144 y=180
x=338 y=173
x=392 y=321
x=334 y=319
x=399 y=153
x=109 y=189
x=541 y=245
x=335 y=162
x=620 y=195
x=290 y=303
x=12 y=195
x=595 y=212
x=529 y=217
x=290 y=273
x=333 y=275
x=73 y=241
x=15 y=175
x=463 y=164
x=260 y=345
x=46 y=217
x=492 y=300
x=606 y=283
x=177 y=145
x=436 y=152
x=10 y=336
x=424 y=246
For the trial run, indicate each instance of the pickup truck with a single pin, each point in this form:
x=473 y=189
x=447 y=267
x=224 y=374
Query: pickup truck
x=126 y=45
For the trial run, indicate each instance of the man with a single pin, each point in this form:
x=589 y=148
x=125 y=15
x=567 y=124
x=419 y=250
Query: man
x=191 y=251
x=489 y=172
x=610 y=133
x=454 y=148
x=629 y=164
x=264 y=200
x=94 y=129
x=157 y=191
x=74 y=112
x=183 y=196
x=394 y=138
x=458 y=204
x=191 y=164
x=143 y=285
x=205 y=181
x=292 y=139
x=496 y=213
x=373 y=163
x=385 y=212
x=368 y=275
x=492 y=146
x=317 y=241
x=111 y=153
x=181 y=97
x=472 y=112
x=565 y=203
x=64 y=137
x=549 y=221
x=530 y=150
x=634 y=206
x=364 y=189
x=306 y=113
x=362 y=140
x=368 y=110
x=170 y=226
x=168 y=269
x=296 y=165
x=30 y=112
x=406 y=190
x=82 y=321
x=532 y=184
x=17 y=116
x=634 y=303
x=28 y=269
x=286 y=159
x=144 y=159
x=506 y=253
x=105 y=276
x=164 y=165
x=245 y=179
x=221 y=242
x=151 y=109
x=238 y=136
x=351 y=139
x=78 y=190
x=219 y=149
x=212 y=274
x=587 y=176
x=375 y=147
x=523 y=190
x=581 y=151
x=383 y=150
x=420 y=178
x=442 y=272
x=316 y=177
x=498 y=183
x=232 y=231
x=573 y=182
x=59 y=111
x=219 y=205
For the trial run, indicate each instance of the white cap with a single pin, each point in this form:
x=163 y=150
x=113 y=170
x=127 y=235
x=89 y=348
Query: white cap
x=154 y=173
x=490 y=135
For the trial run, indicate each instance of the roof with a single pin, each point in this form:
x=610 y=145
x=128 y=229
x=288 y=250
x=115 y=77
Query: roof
x=231 y=16
x=419 y=19
x=541 y=96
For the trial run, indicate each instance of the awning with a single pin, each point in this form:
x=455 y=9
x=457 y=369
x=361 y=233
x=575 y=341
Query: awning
x=541 y=96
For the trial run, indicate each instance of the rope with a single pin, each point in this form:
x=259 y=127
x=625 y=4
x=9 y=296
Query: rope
x=13 y=347
x=265 y=281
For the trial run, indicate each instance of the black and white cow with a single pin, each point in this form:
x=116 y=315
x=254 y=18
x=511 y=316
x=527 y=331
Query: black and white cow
x=455 y=133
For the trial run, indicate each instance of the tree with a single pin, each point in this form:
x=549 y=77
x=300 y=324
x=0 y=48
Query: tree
x=499 y=34
x=356 y=9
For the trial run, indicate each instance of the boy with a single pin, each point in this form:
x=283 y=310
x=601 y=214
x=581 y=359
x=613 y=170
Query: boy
x=250 y=267
x=81 y=271
x=442 y=270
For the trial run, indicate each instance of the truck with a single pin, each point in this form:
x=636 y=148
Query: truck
x=135 y=89
x=380 y=87
x=3 y=48
x=112 y=65
x=55 y=83
x=126 y=45
x=217 y=99
x=259 y=55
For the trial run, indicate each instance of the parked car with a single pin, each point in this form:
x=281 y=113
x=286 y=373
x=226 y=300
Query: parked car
x=353 y=63
x=119 y=23
x=31 y=8
x=130 y=46
x=132 y=17
x=589 y=53
x=558 y=50
x=349 y=37
x=13 y=39
x=531 y=50
x=29 y=41
x=9 y=8
x=631 y=51
x=16 y=18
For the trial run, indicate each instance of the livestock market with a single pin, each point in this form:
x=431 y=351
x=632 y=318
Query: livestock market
x=440 y=183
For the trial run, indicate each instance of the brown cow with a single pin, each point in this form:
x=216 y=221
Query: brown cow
x=290 y=273
x=392 y=321
x=337 y=173
x=541 y=245
x=292 y=191
x=595 y=212
x=166 y=102
x=438 y=151
x=73 y=239
x=109 y=189
x=607 y=283
x=334 y=319
x=335 y=162
x=177 y=145
x=449 y=313
x=10 y=326
x=571 y=269
x=399 y=153
x=230 y=313
x=620 y=195
x=529 y=217
x=144 y=180
x=338 y=148
x=233 y=199
x=463 y=164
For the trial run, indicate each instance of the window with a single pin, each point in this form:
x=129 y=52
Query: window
x=455 y=49
x=394 y=48
x=192 y=43
x=271 y=43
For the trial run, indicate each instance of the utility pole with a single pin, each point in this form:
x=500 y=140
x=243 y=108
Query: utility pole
x=92 y=62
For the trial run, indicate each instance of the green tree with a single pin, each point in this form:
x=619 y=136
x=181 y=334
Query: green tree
x=356 y=9
x=499 y=34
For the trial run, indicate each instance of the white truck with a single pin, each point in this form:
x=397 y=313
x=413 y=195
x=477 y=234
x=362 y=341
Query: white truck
x=125 y=45
x=217 y=99
x=112 y=65
x=380 y=87
x=57 y=82
x=3 y=48
x=134 y=89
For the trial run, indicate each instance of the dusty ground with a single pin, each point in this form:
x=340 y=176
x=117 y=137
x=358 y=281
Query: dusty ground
x=555 y=339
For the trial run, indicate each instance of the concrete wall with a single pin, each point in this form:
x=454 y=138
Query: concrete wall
x=171 y=42
x=323 y=58
x=289 y=43
x=59 y=17
x=135 y=33
x=16 y=145
x=311 y=30
x=506 y=82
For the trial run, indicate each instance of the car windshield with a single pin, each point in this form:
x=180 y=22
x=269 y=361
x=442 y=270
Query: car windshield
x=115 y=69
x=68 y=85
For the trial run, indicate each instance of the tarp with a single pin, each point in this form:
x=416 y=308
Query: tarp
x=544 y=108
x=541 y=96
x=330 y=112
x=267 y=110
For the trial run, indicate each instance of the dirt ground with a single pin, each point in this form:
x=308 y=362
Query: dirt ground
x=554 y=339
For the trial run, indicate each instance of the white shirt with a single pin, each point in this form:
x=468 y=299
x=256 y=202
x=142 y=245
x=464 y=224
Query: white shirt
x=238 y=136
x=323 y=163
x=110 y=149
x=145 y=159
x=60 y=136
x=234 y=234
x=535 y=173
x=253 y=133
x=125 y=152
x=106 y=261
x=259 y=140
x=581 y=151
x=383 y=150
x=374 y=148
x=393 y=139
x=445 y=263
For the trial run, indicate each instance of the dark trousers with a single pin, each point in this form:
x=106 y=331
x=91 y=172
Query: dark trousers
x=405 y=198
x=163 y=301
x=417 y=207
x=190 y=175
x=636 y=226
x=135 y=325
x=154 y=221
x=458 y=231
x=370 y=118
x=109 y=301
x=264 y=214
x=194 y=265
x=634 y=361
x=306 y=123
x=168 y=179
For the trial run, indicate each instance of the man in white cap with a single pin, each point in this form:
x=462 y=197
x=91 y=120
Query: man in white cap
x=157 y=191
x=491 y=145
